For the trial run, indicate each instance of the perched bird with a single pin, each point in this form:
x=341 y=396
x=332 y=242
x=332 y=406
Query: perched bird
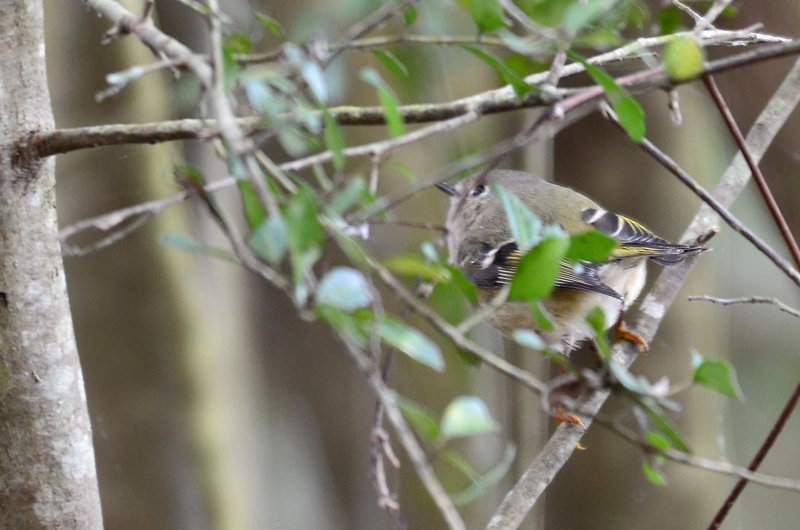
x=481 y=244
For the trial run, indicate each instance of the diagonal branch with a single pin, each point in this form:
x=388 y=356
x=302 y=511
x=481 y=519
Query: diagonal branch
x=521 y=499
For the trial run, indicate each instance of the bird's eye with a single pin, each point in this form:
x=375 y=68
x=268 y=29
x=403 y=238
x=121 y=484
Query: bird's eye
x=478 y=190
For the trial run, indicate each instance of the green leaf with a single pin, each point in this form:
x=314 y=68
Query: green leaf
x=540 y=315
x=480 y=483
x=352 y=325
x=487 y=14
x=596 y=318
x=669 y=20
x=506 y=73
x=538 y=270
x=313 y=75
x=652 y=474
x=524 y=65
x=657 y=441
x=631 y=118
x=466 y=416
x=292 y=140
x=416 y=265
x=716 y=375
x=388 y=100
x=464 y=284
x=304 y=231
x=419 y=418
x=334 y=139
x=590 y=246
x=629 y=112
x=411 y=342
x=351 y=248
x=451 y=304
x=237 y=43
x=344 y=288
x=253 y=210
x=638 y=385
x=269 y=240
x=683 y=59
x=262 y=98
x=404 y=170
x=580 y=14
x=461 y=464
x=666 y=428
x=353 y=193
x=233 y=45
x=271 y=24
x=525 y=226
x=391 y=62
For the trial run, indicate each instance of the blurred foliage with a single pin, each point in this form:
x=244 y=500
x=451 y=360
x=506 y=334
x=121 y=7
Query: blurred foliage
x=320 y=238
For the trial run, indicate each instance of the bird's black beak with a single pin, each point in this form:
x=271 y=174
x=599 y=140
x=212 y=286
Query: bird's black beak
x=447 y=188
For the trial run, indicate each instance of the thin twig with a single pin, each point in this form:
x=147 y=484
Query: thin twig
x=381 y=42
x=491 y=359
x=721 y=210
x=780 y=423
x=784 y=101
x=761 y=182
x=716 y=466
x=711 y=15
x=237 y=141
x=406 y=436
x=748 y=300
x=48 y=143
x=372 y=21
x=110 y=239
x=522 y=18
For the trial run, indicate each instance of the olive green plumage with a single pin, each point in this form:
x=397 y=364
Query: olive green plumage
x=481 y=244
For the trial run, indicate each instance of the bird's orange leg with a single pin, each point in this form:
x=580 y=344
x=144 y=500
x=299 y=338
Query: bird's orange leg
x=626 y=334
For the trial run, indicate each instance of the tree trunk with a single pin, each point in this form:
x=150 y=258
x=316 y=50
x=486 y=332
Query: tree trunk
x=47 y=471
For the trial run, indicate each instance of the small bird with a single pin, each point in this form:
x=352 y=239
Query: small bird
x=480 y=243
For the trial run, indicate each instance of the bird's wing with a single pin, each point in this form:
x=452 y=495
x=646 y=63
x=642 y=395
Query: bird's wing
x=497 y=266
x=635 y=239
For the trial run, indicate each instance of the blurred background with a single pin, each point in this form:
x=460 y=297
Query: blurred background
x=214 y=406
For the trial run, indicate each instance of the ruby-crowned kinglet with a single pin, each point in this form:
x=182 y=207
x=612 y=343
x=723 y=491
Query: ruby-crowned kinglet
x=481 y=244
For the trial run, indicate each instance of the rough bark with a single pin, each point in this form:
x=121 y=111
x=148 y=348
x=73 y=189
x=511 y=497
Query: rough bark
x=47 y=470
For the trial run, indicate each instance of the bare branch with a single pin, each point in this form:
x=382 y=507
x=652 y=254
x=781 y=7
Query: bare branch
x=748 y=300
x=49 y=143
x=422 y=466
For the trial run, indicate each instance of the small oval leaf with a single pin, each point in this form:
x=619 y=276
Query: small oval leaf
x=270 y=240
x=391 y=62
x=411 y=342
x=418 y=417
x=415 y=265
x=344 y=288
x=466 y=416
x=716 y=375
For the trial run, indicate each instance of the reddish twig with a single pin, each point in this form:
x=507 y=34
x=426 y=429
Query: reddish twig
x=760 y=455
x=788 y=237
x=769 y=198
